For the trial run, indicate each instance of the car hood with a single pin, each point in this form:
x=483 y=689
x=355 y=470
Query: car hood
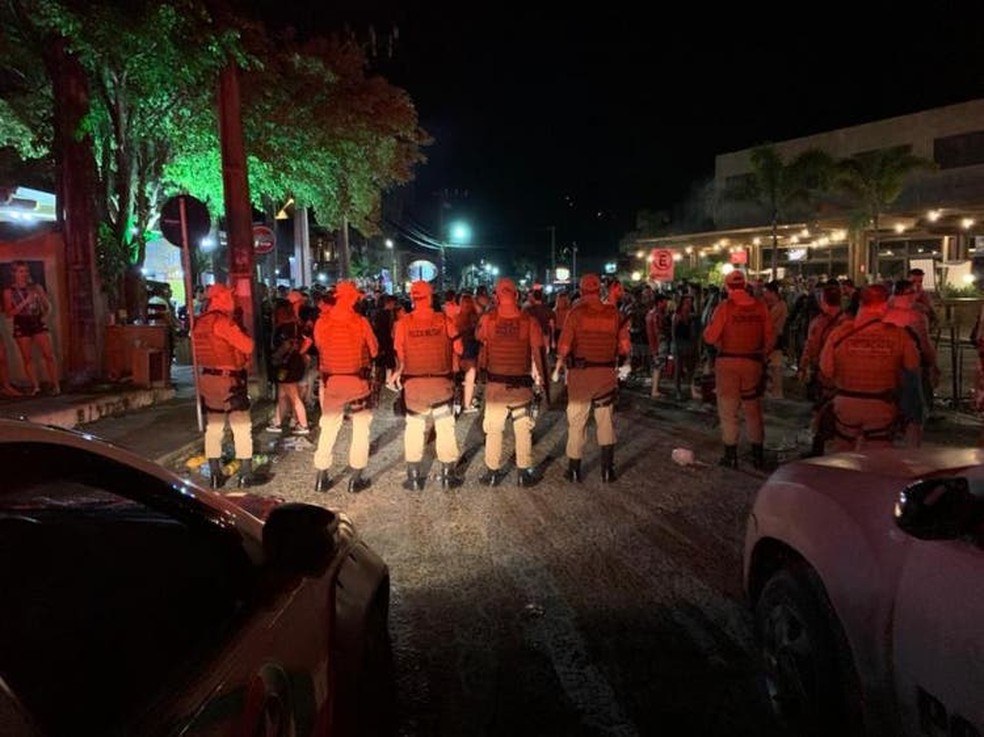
x=257 y=505
x=897 y=463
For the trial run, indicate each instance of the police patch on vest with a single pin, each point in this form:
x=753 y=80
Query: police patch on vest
x=424 y=332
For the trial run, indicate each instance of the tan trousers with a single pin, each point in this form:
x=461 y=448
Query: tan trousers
x=737 y=386
x=416 y=433
x=577 y=422
x=855 y=416
x=242 y=433
x=330 y=424
x=496 y=416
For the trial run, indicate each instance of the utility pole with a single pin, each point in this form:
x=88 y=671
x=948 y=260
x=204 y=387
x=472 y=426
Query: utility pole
x=553 y=254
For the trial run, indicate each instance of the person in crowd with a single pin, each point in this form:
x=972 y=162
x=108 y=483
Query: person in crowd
x=913 y=400
x=223 y=352
x=27 y=304
x=427 y=351
x=450 y=304
x=383 y=325
x=683 y=347
x=923 y=301
x=307 y=314
x=288 y=362
x=347 y=347
x=637 y=311
x=820 y=388
x=741 y=331
x=778 y=312
x=562 y=306
x=514 y=364
x=593 y=342
x=658 y=338
x=543 y=313
x=868 y=359
x=466 y=321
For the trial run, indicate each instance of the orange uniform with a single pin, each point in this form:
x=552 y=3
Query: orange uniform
x=427 y=348
x=741 y=331
x=513 y=342
x=222 y=352
x=866 y=358
x=592 y=341
x=346 y=347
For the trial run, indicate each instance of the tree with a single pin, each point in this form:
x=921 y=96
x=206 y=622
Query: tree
x=875 y=179
x=777 y=184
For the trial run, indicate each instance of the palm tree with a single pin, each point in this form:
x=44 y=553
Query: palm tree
x=777 y=184
x=875 y=179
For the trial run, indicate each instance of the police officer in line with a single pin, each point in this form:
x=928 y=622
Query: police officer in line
x=513 y=349
x=593 y=341
x=427 y=345
x=223 y=351
x=868 y=360
x=346 y=347
x=741 y=332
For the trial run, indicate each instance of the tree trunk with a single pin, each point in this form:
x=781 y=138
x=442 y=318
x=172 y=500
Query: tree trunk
x=775 y=244
x=75 y=187
x=344 y=265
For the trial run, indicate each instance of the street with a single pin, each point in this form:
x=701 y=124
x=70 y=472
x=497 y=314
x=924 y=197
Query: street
x=560 y=610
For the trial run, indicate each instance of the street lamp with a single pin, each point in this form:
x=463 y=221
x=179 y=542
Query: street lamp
x=459 y=234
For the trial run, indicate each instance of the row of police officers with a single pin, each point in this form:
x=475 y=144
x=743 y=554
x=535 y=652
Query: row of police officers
x=592 y=345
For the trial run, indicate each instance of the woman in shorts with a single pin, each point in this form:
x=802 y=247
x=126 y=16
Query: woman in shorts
x=27 y=304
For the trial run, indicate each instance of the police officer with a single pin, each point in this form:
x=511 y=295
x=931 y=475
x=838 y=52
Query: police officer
x=223 y=351
x=514 y=345
x=346 y=347
x=593 y=341
x=426 y=347
x=741 y=332
x=868 y=359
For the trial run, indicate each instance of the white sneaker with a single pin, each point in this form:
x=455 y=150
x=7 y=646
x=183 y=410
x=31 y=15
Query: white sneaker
x=274 y=428
x=299 y=430
x=470 y=410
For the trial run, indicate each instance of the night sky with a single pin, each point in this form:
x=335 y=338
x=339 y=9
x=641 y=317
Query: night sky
x=579 y=118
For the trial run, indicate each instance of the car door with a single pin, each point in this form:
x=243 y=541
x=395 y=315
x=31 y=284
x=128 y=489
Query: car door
x=938 y=638
x=138 y=610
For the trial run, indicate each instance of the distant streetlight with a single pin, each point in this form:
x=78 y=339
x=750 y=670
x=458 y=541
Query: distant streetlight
x=459 y=234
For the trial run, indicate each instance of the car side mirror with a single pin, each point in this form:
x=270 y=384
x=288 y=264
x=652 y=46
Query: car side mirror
x=299 y=538
x=939 y=509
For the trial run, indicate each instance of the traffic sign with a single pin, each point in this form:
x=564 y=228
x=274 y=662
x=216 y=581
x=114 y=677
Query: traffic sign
x=196 y=217
x=661 y=264
x=264 y=240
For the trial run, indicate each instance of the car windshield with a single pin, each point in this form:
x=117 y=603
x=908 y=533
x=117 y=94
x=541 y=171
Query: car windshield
x=105 y=598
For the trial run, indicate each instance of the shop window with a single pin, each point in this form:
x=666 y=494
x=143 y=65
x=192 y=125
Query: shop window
x=966 y=149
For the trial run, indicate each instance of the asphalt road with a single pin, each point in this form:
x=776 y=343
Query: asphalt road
x=587 y=609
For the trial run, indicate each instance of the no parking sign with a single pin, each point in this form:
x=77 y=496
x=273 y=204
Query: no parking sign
x=661 y=264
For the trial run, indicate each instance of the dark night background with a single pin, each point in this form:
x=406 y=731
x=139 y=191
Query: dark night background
x=579 y=118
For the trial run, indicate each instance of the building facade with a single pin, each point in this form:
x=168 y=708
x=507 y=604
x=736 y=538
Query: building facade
x=936 y=222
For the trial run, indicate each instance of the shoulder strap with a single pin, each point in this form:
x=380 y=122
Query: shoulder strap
x=854 y=331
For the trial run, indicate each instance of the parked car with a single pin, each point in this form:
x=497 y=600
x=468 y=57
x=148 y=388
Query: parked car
x=136 y=603
x=865 y=572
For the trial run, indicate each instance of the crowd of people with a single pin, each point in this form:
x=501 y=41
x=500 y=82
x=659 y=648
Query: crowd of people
x=865 y=358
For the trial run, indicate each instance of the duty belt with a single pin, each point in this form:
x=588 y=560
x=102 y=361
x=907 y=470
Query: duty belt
x=510 y=380
x=363 y=373
x=889 y=395
x=448 y=376
x=749 y=356
x=233 y=373
x=581 y=363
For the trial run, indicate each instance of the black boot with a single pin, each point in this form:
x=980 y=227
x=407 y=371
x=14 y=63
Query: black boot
x=322 y=481
x=817 y=446
x=414 y=482
x=730 y=457
x=246 y=477
x=608 y=463
x=573 y=472
x=758 y=456
x=358 y=482
x=526 y=477
x=215 y=478
x=449 y=479
x=492 y=477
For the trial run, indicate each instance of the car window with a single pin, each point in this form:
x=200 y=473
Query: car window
x=105 y=597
